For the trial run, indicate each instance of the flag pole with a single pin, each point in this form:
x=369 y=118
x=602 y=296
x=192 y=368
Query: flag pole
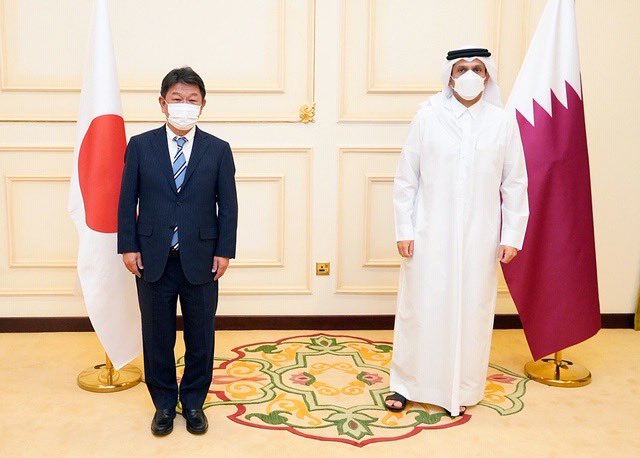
x=104 y=378
x=558 y=372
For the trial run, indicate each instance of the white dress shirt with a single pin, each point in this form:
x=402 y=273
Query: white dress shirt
x=173 y=146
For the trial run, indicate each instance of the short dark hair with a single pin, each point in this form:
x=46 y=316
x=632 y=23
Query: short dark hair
x=182 y=75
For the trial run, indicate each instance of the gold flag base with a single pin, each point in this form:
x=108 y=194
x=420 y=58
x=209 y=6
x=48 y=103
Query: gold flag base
x=103 y=378
x=558 y=372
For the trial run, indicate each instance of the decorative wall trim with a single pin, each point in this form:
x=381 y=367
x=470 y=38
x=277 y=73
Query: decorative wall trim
x=41 y=263
x=502 y=290
x=265 y=291
x=372 y=86
x=308 y=113
x=379 y=89
x=279 y=322
x=284 y=115
x=341 y=287
x=295 y=290
x=223 y=292
x=304 y=289
x=36 y=292
x=279 y=260
x=57 y=149
x=368 y=261
x=277 y=86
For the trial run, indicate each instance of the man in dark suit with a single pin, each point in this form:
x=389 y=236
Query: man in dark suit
x=177 y=222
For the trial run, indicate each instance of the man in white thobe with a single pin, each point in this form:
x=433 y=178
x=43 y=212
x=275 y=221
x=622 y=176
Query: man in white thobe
x=460 y=201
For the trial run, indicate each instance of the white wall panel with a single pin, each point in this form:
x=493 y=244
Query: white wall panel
x=261 y=221
x=366 y=257
x=274 y=225
x=38 y=241
x=373 y=61
x=37 y=236
x=392 y=51
x=255 y=56
x=379 y=235
x=368 y=261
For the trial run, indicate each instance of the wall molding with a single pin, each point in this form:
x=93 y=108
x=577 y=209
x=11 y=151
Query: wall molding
x=279 y=260
x=368 y=260
x=278 y=322
x=285 y=112
x=502 y=290
x=294 y=290
x=277 y=86
x=303 y=289
x=341 y=286
x=37 y=292
x=372 y=86
x=14 y=263
x=56 y=149
x=377 y=89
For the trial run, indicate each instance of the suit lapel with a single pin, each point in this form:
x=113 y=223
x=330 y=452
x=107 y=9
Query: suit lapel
x=164 y=161
x=197 y=151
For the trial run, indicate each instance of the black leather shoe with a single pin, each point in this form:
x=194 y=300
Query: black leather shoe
x=162 y=423
x=196 y=421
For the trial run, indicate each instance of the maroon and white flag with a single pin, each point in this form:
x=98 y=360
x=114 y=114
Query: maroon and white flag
x=108 y=288
x=553 y=281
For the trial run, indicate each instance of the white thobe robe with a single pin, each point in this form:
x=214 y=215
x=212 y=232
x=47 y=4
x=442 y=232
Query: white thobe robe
x=460 y=190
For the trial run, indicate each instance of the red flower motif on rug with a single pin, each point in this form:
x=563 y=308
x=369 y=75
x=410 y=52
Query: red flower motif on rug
x=332 y=388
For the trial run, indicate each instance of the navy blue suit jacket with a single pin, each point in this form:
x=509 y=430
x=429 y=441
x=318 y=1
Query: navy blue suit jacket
x=205 y=210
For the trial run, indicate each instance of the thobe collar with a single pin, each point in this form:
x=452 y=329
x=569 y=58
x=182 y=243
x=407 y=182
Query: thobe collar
x=458 y=109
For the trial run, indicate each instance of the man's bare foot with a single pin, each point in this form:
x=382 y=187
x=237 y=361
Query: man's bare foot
x=461 y=412
x=395 y=402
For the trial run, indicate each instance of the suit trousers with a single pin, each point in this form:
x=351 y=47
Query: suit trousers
x=158 y=303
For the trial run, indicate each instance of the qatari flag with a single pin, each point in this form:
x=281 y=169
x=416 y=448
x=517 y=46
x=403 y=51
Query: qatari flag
x=553 y=281
x=108 y=288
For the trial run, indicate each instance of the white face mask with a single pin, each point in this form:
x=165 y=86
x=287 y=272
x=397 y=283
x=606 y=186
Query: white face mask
x=469 y=85
x=183 y=116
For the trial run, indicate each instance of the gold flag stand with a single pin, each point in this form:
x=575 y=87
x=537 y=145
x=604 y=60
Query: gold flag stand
x=558 y=372
x=103 y=378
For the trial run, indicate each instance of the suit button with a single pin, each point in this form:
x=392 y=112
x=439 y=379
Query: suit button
x=178 y=203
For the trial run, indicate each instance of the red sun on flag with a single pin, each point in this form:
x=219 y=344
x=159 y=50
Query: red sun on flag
x=100 y=165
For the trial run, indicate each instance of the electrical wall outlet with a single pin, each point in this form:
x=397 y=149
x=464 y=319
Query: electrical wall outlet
x=323 y=268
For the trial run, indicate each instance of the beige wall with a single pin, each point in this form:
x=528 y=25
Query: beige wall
x=317 y=192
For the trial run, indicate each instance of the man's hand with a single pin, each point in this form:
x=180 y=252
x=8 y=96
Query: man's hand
x=506 y=254
x=133 y=262
x=405 y=248
x=220 y=265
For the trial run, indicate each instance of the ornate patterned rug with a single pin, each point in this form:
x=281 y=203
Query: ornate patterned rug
x=332 y=387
